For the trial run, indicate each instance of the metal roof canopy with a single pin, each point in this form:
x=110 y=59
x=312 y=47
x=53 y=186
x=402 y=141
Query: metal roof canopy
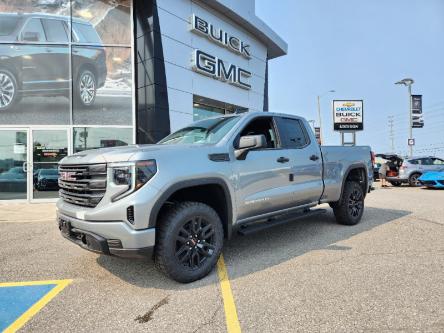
x=276 y=46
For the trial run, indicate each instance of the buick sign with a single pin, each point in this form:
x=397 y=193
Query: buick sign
x=348 y=115
x=219 y=36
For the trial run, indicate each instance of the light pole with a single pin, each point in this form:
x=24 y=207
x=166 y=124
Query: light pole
x=408 y=83
x=319 y=114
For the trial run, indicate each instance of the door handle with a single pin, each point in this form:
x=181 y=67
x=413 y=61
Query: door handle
x=314 y=157
x=283 y=159
x=25 y=167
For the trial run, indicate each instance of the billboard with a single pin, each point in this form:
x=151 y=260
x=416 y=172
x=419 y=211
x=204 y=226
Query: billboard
x=348 y=115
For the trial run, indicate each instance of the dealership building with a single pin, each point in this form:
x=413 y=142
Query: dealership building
x=84 y=74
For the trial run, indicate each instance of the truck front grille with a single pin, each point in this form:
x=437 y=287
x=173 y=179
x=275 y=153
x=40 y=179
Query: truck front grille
x=83 y=184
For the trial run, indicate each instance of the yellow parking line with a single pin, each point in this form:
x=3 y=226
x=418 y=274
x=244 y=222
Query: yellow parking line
x=60 y=285
x=231 y=319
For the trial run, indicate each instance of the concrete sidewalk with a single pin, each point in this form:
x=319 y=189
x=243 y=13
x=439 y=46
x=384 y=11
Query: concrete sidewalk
x=25 y=212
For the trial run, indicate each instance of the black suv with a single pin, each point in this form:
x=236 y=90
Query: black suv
x=35 y=58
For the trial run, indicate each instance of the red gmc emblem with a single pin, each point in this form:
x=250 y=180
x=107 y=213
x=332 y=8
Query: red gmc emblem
x=68 y=176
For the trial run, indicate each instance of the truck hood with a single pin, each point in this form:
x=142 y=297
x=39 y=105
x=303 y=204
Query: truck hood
x=122 y=154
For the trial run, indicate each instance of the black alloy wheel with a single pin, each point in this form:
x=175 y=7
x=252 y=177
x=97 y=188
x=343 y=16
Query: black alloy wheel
x=355 y=203
x=350 y=208
x=195 y=242
x=189 y=240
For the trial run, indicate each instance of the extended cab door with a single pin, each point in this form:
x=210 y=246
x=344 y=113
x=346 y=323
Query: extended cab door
x=304 y=153
x=263 y=176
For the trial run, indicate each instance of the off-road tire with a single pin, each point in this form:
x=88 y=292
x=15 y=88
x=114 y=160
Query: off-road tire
x=170 y=228
x=349 y=209
x=413 y=180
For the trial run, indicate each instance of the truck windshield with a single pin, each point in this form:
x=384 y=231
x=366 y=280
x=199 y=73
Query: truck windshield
x=208 y=131
x=7 y=25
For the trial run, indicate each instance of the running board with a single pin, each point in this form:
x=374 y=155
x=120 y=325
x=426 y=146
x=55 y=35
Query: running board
x=248 y=229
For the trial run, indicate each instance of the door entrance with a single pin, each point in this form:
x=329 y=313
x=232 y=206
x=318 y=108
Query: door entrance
x=49 y=146
x=13 y=164
x=29 y=163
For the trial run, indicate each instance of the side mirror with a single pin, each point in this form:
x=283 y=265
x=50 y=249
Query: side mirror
x=249 y=142
x=31 y=36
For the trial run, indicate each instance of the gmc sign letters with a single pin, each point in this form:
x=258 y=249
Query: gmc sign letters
x=207 y=64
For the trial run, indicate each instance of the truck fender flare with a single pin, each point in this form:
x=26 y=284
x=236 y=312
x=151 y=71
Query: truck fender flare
x=190 y=183
x=350 y=168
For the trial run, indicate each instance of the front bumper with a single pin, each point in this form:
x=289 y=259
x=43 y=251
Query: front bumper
x=432 y=183
x=111 y=238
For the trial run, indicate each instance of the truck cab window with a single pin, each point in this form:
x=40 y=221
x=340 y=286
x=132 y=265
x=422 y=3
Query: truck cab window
x=293 y=133
x=262 y=125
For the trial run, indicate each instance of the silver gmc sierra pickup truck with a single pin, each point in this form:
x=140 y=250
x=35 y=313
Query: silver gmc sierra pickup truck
x=176 y=201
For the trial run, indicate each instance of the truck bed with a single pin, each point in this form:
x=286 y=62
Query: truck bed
x=337 y=161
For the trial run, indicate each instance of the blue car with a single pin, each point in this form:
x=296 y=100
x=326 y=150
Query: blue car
x=433 y=179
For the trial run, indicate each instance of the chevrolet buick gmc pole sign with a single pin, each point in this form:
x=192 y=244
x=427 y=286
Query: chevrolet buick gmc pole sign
x=210 y=65
x=348 y=115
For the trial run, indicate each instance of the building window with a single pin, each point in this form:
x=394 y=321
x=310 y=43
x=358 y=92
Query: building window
x=206 y=108
x=93 y=137
x=201 y=111
x=72 y=60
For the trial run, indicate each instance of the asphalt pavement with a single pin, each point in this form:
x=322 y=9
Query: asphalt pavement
x=382 y=275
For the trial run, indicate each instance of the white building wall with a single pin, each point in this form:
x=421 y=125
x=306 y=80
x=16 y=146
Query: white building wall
x=179 y=42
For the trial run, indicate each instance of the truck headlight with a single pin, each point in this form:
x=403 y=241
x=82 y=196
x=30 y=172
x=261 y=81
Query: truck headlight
x=131 y=176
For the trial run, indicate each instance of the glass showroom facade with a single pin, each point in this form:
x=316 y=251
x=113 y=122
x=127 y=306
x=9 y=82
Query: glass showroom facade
x=86 y=74
x=66 y=85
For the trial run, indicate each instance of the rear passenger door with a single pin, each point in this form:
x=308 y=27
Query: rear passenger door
x=35 y=64
x=57 y=51
x=305 y=160
x=426 y=164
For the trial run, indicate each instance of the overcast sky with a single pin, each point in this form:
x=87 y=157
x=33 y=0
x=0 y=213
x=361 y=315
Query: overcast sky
x=360 y=48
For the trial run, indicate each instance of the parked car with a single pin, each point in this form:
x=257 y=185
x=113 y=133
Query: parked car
x=13 y=180
x=47 y=179
x=412 y=168
x=178 y=199
x=35 y=58
x=394 y=163
x=433 y=179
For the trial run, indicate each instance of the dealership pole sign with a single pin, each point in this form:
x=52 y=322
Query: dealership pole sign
x=348 y=115
x=416 y=103
x=211 y=65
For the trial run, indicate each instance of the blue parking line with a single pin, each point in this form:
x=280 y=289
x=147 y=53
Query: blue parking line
x=16 y=300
